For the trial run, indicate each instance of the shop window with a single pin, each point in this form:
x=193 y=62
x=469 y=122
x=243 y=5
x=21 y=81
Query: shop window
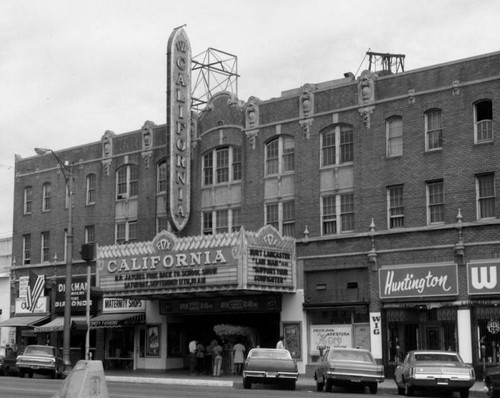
x=433 y=130
x=394 y=132
x=485 y=196
x=435 y=202
x=483 y=121
x=28 y=200
x=395 y=207
x=119 y=348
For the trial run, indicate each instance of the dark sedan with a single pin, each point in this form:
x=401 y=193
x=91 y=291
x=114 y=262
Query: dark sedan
x=436 y=371
x=351 y=367
x=270 y=365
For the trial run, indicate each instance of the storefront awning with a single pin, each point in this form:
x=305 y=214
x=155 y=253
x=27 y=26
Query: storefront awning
x=23 y=321
x=57 y=324
x=117 y=320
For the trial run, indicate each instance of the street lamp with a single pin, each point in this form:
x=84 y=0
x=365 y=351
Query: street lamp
x=67 y=171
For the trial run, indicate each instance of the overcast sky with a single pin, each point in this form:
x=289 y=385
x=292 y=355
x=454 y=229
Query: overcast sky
x=70 y=70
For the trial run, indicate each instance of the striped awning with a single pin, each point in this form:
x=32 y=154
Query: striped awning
x=117 y=320
x=23 y=321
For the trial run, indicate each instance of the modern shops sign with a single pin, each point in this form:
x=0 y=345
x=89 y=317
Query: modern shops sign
x=179 y=122
x=426 y=280
x=232 y=261
x=483 y=277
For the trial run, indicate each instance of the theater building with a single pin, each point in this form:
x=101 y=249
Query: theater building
x=357 y=212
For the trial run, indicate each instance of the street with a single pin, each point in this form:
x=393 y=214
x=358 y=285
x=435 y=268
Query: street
x=39 y=387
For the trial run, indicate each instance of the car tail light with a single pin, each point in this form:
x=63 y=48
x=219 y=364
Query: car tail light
x=412 y=372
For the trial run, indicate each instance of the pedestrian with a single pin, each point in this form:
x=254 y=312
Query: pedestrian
x=200 y=358
x=217 y=353
x=280 y=344
x=239 y=357
x=192 y=356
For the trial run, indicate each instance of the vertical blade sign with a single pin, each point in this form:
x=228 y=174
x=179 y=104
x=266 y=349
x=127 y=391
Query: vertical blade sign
x=179 y=125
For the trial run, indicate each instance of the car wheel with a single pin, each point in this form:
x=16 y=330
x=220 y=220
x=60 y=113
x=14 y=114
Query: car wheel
x=408 y=390
x=401 y=390
x=464 y=393
x=328 y=385
x=290 y=385
x=246 y=384
x=373 y=388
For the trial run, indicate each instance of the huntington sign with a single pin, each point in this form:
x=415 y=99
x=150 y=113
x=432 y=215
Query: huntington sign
x=418 y=281
x=179 y=126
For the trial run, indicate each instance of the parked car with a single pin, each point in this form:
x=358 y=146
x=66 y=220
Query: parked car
x=434 y=370
x=348 y=367
x=270 y=365
x=7 y=361
x=40 y=359
x=492 y=382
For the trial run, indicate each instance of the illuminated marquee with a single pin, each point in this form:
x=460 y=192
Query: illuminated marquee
x=179 y=122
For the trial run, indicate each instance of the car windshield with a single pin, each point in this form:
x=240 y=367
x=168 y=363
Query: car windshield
x=429 y=356
x=39 y=350
x=348 y=355
x=271 y=354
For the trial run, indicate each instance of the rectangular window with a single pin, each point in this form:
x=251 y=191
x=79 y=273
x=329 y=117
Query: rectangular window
x=485 y=187
x=433 y=129
x=347 y=212
x=483 y=114
x=346 y=144
x=127 y=182
x=121 y=176
x=328 y=148
x=222 y=168
x=272 y=157
x=236 y=220
x=237 y=164
x=207 y=223
x=329 y=215
x=435 y=200
x=288 y=218
x=45 y=245
x=161 y=186
x=126 y=231
x=89 y=234
x=394 y=128
x=161 y=224
x=288 y=154
x=222 y=221
x=396 y=208
x=272 y=215
x=26 y=249
x=208 y=173
x=91 y=186
x=121 y=232
x=28 y=200
x=134 y=180
x=132 y=231
x=46 y=193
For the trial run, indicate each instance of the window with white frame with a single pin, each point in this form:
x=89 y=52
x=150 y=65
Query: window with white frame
x=45 y=246
x=485 y=194
x=223 y=163
x=221 y=221
x=27 y=249
x=90 y=234
x=395 y=206
x=337 y=213
x=28 y=200
x=394 y=133
x=280 y=155
x=126 y=231
x=337 y=145
x=281 y=215
x=483 y=121
x=46 y=196
x=433 y=130
x=91 y=189
x=435 y=202
x=127 y=182
x=161 y=177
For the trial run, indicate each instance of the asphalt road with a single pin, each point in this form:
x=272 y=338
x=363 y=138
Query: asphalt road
x=40 y=387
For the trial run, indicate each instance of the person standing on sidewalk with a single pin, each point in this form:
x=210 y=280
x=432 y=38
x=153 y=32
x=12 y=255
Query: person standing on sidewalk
x=280 y=344
x=192 y=356
x=217 y=353
x=239 y=357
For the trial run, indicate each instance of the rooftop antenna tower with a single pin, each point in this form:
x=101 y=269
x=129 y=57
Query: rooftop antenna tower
x=389 y=63
x=212 y=71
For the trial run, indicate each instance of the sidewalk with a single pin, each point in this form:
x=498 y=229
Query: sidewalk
x=182 y=377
